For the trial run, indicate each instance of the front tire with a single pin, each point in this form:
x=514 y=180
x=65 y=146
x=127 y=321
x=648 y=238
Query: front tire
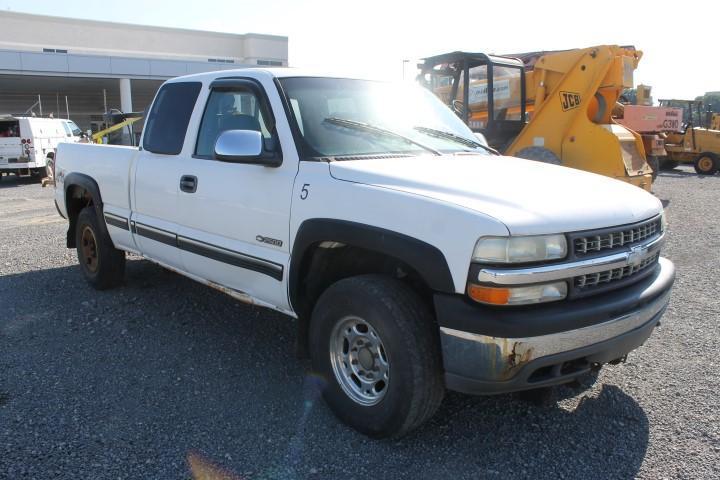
x=375 y=342
x=102 y=265
x=707 y=163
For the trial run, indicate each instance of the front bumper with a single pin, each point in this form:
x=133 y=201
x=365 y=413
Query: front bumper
x=488 y=350
x=18 y=166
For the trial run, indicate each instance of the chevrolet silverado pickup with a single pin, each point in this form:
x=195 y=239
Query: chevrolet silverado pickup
x=414 y=258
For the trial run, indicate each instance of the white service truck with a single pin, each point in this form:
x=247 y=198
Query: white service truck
x=414 y=259
x=27 y=144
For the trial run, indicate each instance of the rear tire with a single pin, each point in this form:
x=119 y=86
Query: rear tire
x=102 y=265
x=377 y=328
x=707 y=163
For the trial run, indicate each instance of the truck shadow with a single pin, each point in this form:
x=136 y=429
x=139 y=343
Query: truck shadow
x=12 y=181
x=164 y=370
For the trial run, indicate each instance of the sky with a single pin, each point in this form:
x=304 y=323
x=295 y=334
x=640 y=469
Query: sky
x=372 y=38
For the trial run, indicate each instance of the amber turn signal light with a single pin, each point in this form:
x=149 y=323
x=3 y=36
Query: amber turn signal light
x=491 y=295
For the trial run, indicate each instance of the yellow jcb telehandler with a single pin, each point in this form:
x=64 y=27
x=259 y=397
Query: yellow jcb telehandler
x=548 y=106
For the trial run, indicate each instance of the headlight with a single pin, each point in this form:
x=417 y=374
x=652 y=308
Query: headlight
x=520 y=249
x=663 y=221
x=541 y=293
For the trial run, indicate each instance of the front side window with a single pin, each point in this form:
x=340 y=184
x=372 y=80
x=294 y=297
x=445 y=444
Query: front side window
x=169 y=117
x=345 y=117
x=228 y=110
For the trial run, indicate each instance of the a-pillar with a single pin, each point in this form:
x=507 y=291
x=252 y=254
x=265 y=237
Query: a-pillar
x=125 y=95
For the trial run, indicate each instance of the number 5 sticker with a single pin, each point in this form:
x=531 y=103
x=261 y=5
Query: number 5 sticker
x=304 y=192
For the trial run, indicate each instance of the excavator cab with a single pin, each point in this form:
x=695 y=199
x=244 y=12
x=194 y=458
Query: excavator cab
x=494 y=104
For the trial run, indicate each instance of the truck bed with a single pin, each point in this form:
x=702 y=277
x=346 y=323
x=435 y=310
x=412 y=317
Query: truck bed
x=108 y=165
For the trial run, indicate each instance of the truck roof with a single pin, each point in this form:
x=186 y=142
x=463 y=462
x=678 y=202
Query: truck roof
x=283 y=72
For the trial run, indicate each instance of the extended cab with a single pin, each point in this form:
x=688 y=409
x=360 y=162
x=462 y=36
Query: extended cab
x=413 y=257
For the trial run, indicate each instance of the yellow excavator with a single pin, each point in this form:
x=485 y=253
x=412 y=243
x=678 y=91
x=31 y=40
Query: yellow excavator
x=554 y=107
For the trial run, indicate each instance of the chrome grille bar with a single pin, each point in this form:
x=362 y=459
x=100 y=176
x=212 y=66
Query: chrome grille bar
x=619 y=238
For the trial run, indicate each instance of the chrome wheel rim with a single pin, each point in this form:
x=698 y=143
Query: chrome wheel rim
x=89 y=249
x=359 y=361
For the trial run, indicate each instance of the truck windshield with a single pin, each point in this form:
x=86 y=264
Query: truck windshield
x=74 y=129
x=350 y=118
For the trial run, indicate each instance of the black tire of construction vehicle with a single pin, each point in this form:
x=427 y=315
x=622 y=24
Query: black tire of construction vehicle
x=410 y=345
x=102 y=265
x=654 y=163
x=707 y=163
x=666 y=164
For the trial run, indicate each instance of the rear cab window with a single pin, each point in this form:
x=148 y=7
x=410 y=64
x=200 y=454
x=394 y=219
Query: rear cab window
x=169 y=117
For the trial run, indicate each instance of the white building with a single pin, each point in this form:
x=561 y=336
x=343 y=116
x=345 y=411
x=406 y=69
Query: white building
x=97 y=64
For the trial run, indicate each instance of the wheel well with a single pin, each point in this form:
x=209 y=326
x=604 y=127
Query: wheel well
x=324 y=263
x=76 y=198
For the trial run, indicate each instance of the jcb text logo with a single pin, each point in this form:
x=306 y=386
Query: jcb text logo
x=569 y=100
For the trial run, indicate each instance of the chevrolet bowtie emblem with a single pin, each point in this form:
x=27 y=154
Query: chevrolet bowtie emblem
x=637 y=254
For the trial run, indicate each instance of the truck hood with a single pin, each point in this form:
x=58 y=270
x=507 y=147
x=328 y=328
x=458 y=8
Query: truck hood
x=528 y=197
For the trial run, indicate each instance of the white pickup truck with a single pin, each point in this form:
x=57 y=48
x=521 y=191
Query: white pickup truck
x=413 y=257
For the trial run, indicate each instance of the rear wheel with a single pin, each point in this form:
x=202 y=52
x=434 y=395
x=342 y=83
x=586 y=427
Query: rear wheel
x=707 y=163
x=376 y=344
x=102 y=265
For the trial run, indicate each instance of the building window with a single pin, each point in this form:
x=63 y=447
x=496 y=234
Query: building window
x=220 y=60
x=270 y=63
x=54 y=50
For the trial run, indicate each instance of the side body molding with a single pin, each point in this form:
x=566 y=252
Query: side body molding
x=426 y=259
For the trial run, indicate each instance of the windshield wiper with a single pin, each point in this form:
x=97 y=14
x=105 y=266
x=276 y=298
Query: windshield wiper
x=344 y=122
x=455 y=138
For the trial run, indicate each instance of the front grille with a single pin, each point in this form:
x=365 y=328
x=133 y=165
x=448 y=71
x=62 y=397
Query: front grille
x=591 y=280
x=613 y=239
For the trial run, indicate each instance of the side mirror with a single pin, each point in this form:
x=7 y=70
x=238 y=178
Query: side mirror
x=243 y=146
x=247 y=146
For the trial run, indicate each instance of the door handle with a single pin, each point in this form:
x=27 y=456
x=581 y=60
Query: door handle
x=188 y=183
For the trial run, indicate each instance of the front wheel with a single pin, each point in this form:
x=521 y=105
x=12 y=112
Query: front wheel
x=102 y=265
x=376 y=344
x=707 y=163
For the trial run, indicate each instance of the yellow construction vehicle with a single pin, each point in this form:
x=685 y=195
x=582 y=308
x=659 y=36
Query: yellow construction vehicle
x=715 y=121
x=547 y=106
x=695 y=143
x=117 y=121
x=635 y=110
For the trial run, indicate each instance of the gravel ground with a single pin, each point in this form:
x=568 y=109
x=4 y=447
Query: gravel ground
x=163 y=374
